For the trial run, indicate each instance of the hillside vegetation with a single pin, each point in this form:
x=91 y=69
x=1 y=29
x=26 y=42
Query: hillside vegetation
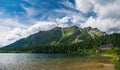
x=57 y=36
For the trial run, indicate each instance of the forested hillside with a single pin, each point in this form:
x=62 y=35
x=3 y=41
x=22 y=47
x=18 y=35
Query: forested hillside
x=57 y=36
x=88 y=46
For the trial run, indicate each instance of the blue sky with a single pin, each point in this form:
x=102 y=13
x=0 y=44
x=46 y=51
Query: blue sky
x=21 y=18
x=47 y=10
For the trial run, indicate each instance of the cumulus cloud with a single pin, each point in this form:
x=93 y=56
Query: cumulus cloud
x=63 y=20
x=107 y=16
x=11 y=23
x=74 y=19
x=9 y=35
x=9 y=27
x=41 y=26
x=104 y=24
x=5 y=35
x=84 y=6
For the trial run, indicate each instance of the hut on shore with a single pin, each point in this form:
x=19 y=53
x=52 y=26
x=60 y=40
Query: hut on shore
x=106 y=47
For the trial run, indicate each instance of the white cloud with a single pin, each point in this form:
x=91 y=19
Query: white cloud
x=67 y=3
x=63 y=20
x=107 y=19
x=84 y=6
x=9 y=28
x=11 y=23
x=76 y=19
x=41 y=26
x=107 y=16
x=31 y=11
x=67 y=12
x=10 y=35
x=107 y=8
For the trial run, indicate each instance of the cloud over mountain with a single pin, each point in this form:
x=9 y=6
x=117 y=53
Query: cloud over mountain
x=107 y=15
x=20 y=18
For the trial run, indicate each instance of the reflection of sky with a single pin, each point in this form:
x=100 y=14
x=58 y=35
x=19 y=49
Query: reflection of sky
x=10 y=61
x=26 y=61
x=13 y=61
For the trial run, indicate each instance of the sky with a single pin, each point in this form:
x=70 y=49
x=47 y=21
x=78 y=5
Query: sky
x=21 y=18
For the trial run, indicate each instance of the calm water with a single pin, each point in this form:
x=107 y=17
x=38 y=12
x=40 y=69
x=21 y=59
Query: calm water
x=26 y=61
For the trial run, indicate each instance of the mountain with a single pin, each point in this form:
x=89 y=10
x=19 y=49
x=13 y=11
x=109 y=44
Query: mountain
x=94 y=32
x=58 y=36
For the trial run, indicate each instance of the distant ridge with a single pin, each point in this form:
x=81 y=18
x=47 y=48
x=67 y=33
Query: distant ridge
x=58 y=36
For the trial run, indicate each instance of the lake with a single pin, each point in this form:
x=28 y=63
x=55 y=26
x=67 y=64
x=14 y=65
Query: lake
x=33 y=61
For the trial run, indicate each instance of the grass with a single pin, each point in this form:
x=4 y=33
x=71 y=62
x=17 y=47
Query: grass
x=115 y=60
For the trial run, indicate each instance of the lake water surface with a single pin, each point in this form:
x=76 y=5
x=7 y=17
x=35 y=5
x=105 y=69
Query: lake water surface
x=33 y=61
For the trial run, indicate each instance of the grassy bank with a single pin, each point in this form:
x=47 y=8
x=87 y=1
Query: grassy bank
x=115 y=60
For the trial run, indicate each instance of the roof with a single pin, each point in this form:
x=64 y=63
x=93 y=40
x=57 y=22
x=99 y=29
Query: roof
x=106 y=46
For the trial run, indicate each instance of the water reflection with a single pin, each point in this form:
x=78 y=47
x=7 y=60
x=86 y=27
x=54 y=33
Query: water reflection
x=26 y=61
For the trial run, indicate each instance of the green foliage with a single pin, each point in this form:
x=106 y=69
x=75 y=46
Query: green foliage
x=88 y=46
x=53 y=42
x=55 y=37
x=117 y=65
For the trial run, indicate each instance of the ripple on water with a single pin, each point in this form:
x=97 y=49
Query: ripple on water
x=17 y=61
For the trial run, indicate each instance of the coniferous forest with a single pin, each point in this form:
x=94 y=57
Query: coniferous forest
x=88 y=46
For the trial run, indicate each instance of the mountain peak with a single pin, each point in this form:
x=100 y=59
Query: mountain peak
x=56 y=28
x=90 y=28
x=57 y=36
x=74 y=26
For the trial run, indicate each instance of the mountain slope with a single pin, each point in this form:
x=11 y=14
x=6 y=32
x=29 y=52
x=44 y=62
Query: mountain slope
x=57 y=36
